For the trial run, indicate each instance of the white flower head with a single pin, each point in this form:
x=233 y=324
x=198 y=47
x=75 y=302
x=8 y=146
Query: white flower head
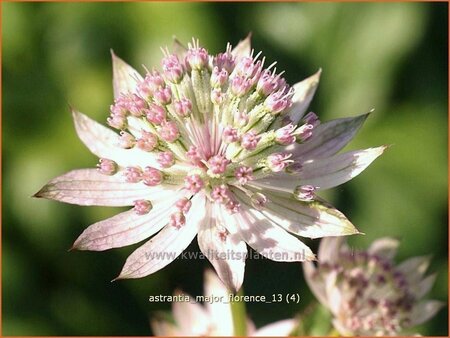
x=366 y=292
x=214 y=318
x=213 y=146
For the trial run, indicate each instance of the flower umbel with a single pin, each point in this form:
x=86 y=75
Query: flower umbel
x=214 y=318
x=217 y=147
x=366 y=292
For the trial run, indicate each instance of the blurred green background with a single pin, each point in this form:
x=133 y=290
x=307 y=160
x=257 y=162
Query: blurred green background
x=387 y=56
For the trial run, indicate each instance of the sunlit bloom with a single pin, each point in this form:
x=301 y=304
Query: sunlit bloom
x=367 y=293
x=214 y=318
x=228 y=140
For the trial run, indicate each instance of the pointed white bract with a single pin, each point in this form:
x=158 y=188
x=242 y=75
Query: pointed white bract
x=214 y=318
x=214 y=146
x=125 y=77
x=366 y=292
x=303 y=94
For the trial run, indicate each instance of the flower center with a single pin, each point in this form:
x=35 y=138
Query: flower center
x=213 y=124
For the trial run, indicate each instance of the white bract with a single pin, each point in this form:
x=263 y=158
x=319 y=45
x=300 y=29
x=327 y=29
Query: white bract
x=217 y=147
x=214 y=318
x=366 y=292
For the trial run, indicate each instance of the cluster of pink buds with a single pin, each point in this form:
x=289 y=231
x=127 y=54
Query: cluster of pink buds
x=124 y=105
x=178 y=218
x=152 y=81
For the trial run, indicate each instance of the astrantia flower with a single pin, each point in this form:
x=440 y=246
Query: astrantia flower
x=366 y=292
x=214 y=318
x=215 y=146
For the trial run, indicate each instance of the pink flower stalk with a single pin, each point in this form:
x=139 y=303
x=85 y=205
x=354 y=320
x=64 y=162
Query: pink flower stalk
x=226 y=160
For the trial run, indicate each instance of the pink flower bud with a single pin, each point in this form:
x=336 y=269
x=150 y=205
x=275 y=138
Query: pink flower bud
x=248 y=68
x=217 y=96
x=311 y=119
x=142 y=207
x=258 y=201
x=225 y=61
x=197 y=57
x=244 y=174
x=177 y=220
x=230 y=135
x=267 y=83
x=120 y=106
x=165 y=159
x=147 y=142
x=169 y=131
x=221 y=193
x=172 y=68
x=126 y=140
x=117 y=121
x=163 y=96
x=194 y=156
x=285 y=135
x=278 y=101
x=148 y=86
x=155 y=114
x=107 y=167
x=250 y=140
x=184 y=205
x=183 y=107
x=304 y=192
x=218 y=164
x=218 y=77
x=136 y=105
x=278 y=161
x=133 y=174
x=193 y=183
x=152 y=176
x=240 y=85
x=233 y=206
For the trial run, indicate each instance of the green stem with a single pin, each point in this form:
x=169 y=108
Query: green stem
x=239 y=316
x=334 y=333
